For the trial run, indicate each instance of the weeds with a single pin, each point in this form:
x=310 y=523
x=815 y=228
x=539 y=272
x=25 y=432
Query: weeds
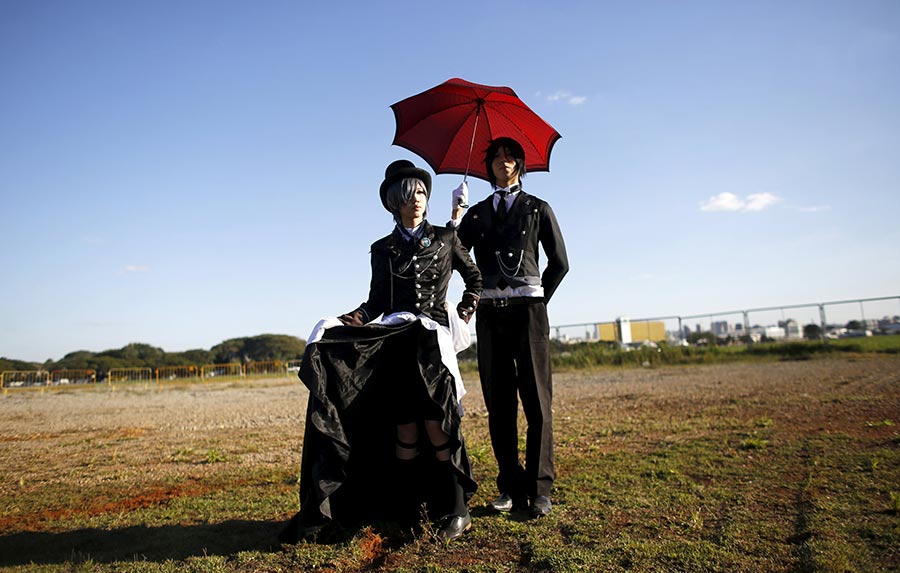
x=214 y=456
x=754 y=443
x=895 y=502
x=654 y=474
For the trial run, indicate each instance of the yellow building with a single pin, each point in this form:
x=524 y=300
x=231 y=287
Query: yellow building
x=626 y=331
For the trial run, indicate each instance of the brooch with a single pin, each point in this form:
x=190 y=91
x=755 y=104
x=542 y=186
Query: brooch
x=425 y=242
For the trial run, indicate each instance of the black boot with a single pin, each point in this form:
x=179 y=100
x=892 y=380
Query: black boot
x=300 y=528
x=456 y=518
x=407 y=504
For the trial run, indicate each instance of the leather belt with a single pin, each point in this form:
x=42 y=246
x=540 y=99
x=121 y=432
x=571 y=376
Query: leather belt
x=510 y=301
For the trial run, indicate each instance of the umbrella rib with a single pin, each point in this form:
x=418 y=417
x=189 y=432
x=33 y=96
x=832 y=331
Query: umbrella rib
x=472 y=142
x=428 y=115
x=497 y=110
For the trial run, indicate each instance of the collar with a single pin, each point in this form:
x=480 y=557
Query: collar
x=413 y=233
x=507 y=191
x=403 y=236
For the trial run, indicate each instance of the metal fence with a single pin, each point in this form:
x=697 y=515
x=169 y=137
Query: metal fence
x=164 y=374
x=864 y=310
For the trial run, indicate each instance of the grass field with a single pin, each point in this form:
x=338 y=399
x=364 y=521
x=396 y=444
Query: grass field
x=783 y=464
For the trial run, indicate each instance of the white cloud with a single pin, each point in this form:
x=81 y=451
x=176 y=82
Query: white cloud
x=566 y=97
x=136 y=269
x=814 y=208
x=759 y=201
x=726 y=201
x=722 y=202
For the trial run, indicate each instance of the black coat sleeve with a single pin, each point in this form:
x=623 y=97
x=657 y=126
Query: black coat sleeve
x=551 y=239
x=465 y=266
x=379 y=287
x=465 y=231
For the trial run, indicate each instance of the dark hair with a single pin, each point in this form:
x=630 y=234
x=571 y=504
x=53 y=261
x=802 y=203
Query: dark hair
x=512 y=148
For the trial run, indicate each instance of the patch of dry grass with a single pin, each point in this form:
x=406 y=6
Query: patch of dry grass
x=770 y=466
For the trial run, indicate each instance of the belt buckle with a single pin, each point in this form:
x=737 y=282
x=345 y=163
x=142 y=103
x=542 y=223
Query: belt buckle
x=501 y=302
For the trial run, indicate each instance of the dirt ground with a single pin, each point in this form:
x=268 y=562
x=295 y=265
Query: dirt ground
x=151 y=437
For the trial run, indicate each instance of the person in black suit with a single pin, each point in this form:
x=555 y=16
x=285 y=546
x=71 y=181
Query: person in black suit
x=505 y=231
x=383 y=433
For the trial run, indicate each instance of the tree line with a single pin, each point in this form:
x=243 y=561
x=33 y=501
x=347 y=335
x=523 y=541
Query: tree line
x=261 y=348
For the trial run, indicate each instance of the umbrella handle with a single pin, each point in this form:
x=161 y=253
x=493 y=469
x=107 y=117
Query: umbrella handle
x=480 y=103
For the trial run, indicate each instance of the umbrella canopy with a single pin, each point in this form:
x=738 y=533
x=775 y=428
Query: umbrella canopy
x=443 y=125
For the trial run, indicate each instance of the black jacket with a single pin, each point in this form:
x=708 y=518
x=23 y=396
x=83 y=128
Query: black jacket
x=508 y=250
x=409 y=276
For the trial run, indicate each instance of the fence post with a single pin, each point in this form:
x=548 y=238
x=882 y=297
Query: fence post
x=824 y=322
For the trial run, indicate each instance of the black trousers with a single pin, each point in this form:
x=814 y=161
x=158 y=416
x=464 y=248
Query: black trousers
x=514 y=363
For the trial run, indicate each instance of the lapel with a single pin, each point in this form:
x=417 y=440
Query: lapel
x=513 y=212
x=395 y=242
x=484 y=209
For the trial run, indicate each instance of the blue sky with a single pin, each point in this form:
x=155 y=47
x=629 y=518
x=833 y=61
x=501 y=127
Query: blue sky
x=180 y=173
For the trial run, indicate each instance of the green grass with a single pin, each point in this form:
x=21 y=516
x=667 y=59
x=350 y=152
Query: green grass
x=689 y=482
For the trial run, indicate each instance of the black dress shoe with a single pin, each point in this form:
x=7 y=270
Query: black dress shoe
x=300 y=529
x=453 y=526
x=540 y=506
x=503 y=504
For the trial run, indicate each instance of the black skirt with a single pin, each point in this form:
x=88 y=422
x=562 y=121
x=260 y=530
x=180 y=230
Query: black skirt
x=362 y=382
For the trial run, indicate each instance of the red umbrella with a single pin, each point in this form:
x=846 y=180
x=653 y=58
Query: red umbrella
x=444 y=124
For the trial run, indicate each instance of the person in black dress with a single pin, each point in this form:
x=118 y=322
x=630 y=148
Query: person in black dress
x=382 y=433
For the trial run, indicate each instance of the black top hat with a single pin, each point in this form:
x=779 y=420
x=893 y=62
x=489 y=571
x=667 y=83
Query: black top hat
x=402 y=169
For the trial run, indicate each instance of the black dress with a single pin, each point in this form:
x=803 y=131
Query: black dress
x=357 y=376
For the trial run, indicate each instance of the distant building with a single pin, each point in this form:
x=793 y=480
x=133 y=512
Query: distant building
x=720 y=328
x=774 y=332
x=626 y=332
x=792 y=330
x=653 y=331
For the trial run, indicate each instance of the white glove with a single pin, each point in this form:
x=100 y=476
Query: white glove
x=461 y=196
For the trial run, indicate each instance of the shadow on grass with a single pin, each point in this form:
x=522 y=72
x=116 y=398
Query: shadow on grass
x=139 y=543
